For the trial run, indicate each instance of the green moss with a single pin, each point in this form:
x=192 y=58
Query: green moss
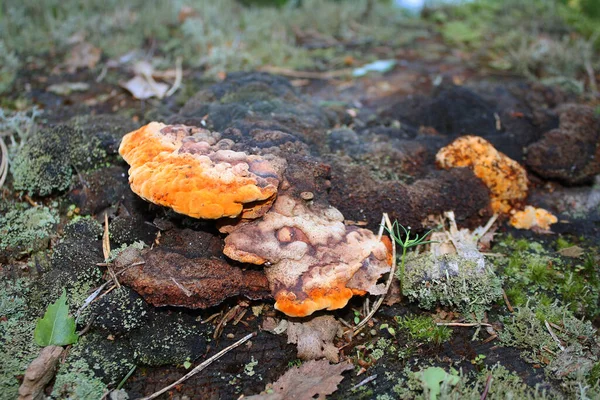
x=470 y=291
x=528 y=37
x=222 y=36
x=563 y=243
x=530 y=270
x=422 y=328
x=24 y=230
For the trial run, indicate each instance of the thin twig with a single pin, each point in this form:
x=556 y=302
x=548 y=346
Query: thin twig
x=185 y=290
x=3 y=162
x=178 y=75
x=488 y=384
x=200 y=367
x=306 y=74
x=364 y=382
x=479 y=324
x=226 y=318
x=390 y=277
x=490 y=338
x=556 y=339
x=508 y=305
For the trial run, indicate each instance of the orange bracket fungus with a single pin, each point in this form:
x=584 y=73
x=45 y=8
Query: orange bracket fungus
x=531 y=217
x=195 y=173
x=506 y=179
x=313 y=261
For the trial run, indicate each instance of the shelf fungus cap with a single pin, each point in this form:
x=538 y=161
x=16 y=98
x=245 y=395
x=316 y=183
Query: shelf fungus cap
x=505 y=178
x=194 y=172
x=312 y=260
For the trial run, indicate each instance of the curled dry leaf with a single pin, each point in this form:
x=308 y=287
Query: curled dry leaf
x=315 y=338
x=311 y=380
x=82 y=55
x=143 y=89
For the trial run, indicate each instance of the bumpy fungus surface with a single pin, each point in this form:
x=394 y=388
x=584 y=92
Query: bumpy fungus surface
x=506 y=179
x=195 y=173
x=531 y=217
x=313 y=260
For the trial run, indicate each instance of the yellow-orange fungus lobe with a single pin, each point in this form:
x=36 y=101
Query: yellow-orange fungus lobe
x=194 y=172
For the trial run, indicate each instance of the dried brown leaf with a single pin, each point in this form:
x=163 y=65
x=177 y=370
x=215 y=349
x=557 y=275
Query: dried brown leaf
x=312 y=378
x=39 y=373
x=82 y=55
x=572 y=252
x=315 y=338
x=142 y=89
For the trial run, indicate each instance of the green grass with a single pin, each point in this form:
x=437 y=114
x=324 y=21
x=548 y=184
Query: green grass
x=548 y=40
x=218 y=36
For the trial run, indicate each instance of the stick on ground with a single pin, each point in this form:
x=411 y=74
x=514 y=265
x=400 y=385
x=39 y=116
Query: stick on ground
x=200 y=367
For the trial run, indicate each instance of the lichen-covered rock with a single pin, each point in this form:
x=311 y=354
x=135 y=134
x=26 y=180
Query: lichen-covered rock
x=119 y=312
x=25 y=230
x=107 y=361
x=570 y=153
x=49 y=158
x=255 y=102
x=193 y=172
x=313 y=261
x=73 y=264
x=43 y=165
x=169 y=338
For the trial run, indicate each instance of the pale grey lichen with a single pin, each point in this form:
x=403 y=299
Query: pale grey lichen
x=450 y=280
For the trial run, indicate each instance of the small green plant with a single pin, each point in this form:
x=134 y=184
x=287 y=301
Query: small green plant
x=422 y=328
x=406 y=243
x=388 y=328
x=57 y=327
x=434 y=377
x=478 y=361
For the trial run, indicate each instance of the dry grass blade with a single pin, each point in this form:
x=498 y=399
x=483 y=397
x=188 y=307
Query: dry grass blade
x=556 y=339
x=478 y=324
x=106 y=239
x=377 y=304
x=200 y=367
x=3 y=162
x=178 y=76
